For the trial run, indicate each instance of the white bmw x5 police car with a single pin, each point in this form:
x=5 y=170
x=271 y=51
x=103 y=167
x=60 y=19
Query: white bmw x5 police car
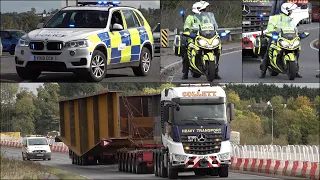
x=87 y=40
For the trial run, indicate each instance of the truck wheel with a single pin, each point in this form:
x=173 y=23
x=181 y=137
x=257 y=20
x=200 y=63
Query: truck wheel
x=172 y=173
x=158 y=165
x=163 y=170
x=214 y=172
x=139 y=168
x=126 y=163
x=134 y=165
x=28 y=74
x=155 y=163
x=223 y=171
x=145 y=63
x=119 y=162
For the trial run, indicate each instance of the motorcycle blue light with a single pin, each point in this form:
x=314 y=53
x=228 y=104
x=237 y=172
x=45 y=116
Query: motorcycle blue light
x=116 y=2
x=100 y=2
x=275 y=37
x=182 y=12
x=261 y=15
x=71 y=25
x=223 y=34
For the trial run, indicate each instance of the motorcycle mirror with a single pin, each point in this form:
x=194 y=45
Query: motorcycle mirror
x=192 y=35
x=304 y=35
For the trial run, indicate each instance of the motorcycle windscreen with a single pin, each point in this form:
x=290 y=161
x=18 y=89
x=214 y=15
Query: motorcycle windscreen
x=207 y=30
x=288 y=32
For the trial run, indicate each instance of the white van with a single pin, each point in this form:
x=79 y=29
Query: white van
x=34 y=147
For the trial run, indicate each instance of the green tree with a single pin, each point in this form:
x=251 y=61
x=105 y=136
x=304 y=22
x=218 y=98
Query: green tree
x=8 y=92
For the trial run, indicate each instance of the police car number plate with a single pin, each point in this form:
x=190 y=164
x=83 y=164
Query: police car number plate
x=39 y=154
x=44 y=58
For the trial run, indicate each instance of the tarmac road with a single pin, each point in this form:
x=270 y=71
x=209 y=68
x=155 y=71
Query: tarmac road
x=9 y=74
x=62 y=161
x=308 y=61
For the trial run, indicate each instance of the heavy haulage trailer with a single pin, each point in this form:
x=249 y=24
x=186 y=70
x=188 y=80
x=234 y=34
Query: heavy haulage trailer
x=187 y=130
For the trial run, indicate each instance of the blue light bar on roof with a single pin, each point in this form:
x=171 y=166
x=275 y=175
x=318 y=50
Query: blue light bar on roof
x=110 y=3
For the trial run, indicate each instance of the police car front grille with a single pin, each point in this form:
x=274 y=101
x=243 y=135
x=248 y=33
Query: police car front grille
x=54 y=45
x=36 y=45
x=39 y=151
x=46 y=53
x=212 y=144
x=254 y=18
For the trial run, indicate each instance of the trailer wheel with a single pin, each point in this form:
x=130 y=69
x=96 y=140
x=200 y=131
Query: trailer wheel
x=134 y=165
x=223 y=171
x=163 y=170
x=139 y=168
x=126 y=169
x=79 y=160
x=73 y=158
x=155 y=163
x=119 y=162
x=158 y=165
x=130 y=164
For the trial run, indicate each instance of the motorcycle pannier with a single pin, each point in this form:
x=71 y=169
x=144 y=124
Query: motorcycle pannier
x=260 y=45
x=179 y=45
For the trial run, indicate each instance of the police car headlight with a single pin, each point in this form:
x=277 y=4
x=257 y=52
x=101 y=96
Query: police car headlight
x=224 y=156
x=284 y=43
x=23 y=43
x=203 y=42
x=296 y=43
x=78 y=43
x=215 y=42
x=179 y=158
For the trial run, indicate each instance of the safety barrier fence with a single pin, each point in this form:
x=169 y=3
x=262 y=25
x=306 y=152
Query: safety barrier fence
x=298 y=160
x=168 y=35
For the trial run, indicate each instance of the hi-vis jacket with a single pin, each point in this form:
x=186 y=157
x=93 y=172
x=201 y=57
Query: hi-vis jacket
x=277 y=21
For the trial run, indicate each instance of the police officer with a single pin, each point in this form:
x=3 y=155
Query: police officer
x=275 y=22
x=192 y=22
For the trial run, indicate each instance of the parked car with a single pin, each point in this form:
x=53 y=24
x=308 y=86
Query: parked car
x=10 y=39
x=156 y=38
x=1 y=47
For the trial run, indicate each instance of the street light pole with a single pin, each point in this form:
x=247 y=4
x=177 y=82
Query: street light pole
x=272 y=126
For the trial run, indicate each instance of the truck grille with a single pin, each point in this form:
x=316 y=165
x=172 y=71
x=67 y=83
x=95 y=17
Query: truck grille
x=254 y=18
x=36 y=45
x=212 y=144
x=39 y=151
x=54 y=45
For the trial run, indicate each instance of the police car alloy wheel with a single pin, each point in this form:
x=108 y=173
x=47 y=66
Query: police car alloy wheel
x=145 y=63
x=98 y=68
x=28 y=74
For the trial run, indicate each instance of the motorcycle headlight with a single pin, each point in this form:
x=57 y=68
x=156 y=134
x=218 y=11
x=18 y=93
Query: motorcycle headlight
x=224 y=156
x=23 y=43
x=284 y=43
x=78 y=43
x=215 y=42
x=296 y=43
x=203 y=42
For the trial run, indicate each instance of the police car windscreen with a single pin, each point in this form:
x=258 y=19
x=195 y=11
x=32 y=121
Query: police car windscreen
x=202 y=114
x=37 y=141
x=79 y=19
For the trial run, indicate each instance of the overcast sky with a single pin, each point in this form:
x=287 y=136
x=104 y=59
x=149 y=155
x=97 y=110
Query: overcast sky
x=40 y=5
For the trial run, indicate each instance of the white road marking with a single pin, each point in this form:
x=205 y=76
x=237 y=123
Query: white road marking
x=311 y=45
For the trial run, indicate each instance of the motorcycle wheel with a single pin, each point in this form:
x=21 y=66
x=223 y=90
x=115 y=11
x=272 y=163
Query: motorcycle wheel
x=291 y=71
x=273 y=73
x=195 y=75
x=211 y=70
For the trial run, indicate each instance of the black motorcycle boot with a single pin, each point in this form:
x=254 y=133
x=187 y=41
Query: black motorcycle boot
x=185 y=68
x=263 y=68
x=298 y=75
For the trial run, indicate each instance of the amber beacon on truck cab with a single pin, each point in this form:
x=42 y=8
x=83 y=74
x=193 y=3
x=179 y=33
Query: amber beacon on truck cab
x=87 y=40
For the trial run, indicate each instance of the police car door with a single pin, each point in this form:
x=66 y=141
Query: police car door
x=135 y=42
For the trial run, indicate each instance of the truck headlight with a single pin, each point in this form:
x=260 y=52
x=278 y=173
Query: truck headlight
x=224 y=156
x=284 y=43
x=78 y=43
x=23 y=43
x=203 y=43
x=178 y=157
x=215 y=42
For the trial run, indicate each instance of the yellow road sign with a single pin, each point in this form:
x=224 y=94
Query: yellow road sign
x=164 y=38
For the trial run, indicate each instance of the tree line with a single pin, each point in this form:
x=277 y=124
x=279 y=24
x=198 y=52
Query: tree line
x=295 y=109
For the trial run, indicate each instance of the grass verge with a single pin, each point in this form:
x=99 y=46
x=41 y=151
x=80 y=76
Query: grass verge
x=18 y=169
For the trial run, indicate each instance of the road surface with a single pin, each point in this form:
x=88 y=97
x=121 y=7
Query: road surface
x=9 y=74
x=230 y=68
x=62 y=161
x=308 y=61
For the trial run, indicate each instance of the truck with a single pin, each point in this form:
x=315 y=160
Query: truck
x=189 y=130
x=255 y=18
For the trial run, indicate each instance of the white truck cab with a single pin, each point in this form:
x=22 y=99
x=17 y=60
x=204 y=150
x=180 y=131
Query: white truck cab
x=35 y=147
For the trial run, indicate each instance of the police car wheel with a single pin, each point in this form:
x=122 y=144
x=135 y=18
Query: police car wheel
x=98 y=69
x=145 y=63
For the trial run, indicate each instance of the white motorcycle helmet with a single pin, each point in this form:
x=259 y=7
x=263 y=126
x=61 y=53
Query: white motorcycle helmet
x=287 y=8
x=199 y=6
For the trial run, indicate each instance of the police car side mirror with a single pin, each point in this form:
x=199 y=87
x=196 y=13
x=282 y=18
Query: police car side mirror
x=40 y=25
x=117 y=27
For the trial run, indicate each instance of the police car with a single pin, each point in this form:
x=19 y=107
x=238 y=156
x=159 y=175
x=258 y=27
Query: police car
x=87 y=40
x=35 y=147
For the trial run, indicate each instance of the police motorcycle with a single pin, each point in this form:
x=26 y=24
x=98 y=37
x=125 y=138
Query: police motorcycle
x=283 y=52
x=204 y=51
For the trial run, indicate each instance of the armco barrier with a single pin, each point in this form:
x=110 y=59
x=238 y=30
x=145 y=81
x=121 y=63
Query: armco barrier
x=17 y=143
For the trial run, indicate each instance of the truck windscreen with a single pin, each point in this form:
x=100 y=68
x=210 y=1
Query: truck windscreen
x=200 y=114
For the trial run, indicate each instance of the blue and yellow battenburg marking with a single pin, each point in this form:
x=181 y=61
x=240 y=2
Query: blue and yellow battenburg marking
x=133 y=39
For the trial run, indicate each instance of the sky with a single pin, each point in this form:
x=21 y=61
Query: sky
x=40 y=5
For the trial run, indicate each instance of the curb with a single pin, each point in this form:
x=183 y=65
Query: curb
x=302 y=169
x=169 y=68
x=14 y=144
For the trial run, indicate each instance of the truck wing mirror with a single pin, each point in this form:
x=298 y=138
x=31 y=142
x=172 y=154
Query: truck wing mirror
x=232 y=115
x=166 y=113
